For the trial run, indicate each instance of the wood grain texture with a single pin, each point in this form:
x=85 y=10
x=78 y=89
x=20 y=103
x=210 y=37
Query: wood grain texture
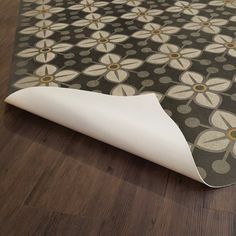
x=54 y=181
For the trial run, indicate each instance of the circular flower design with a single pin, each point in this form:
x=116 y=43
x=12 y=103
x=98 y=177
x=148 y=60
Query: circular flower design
x=222 y=135
x=222 y=44
x=142 y=14
x=47 y=75
x=113 y=67
x=94 y=21
x=211 y=26
x=156 y=32
x=197 y=88
x=44 y=28
x=45 y=50
x=88 y=6
x=43 y=12
x=132 y=3
x=102 y=41
x=177 y=58
x=226 y=3
x=186 y=7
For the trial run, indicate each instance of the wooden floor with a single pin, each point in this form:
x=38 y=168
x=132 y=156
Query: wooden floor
x=54 y=181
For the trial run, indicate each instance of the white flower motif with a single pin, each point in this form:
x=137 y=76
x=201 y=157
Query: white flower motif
x=232 y=18
x=88 y=6
x=43 y=12
x=132 y=3
x=226 y=3
x=156 y=32
x=113 y=67
x=44 y=28
x=203 y=92
x=211 y=26
x=94 y=21
x=222 y=135
x=223 y=43
x=45 y=50
x=47 y=75
x=102 y=41
x=179 y=59
x=40 y=2
x=186 y=7
x=123 y=90
x=142 y=14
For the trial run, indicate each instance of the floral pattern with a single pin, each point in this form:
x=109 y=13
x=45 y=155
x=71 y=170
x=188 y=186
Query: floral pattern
x=88 y=6
x=156 y=32
x=113 y=67
x=44 y=28
x=102 y=41
x=182 y=51
x=47 y=75
x=45 y=50
x=211 y=26
x=186 y=7
x=43 y=12
x=177 y=58
x=142 y=14
x=94 y=21
x=223 y=43
x=203 y=92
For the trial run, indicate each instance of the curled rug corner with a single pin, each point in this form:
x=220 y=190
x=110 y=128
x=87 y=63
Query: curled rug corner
x=136 y=124
x=69 y=54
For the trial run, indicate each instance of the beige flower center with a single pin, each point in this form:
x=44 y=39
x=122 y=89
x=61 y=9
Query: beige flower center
x=230 y=45
x=199 y=88
x=186 y=7
x=95 y=21
x=231 y=134
x=43 y=11
x=142 y=13
x=45 y=50
x=47 y=79
x=44 y=27
x=103 y=40
x=114 y=66
x=175 y=55
x=156 y=31
x=206 y=23
x=227 y=1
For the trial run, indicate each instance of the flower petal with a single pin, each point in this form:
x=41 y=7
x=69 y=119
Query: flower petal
x=232 y=52
x=213 y=141
x=110 y=58
x=218 y=84
x=168 y=48
x=95 y=70
x=30 y=52
x=180 y=64
x=105 y=47
x=158 y=58
x=142 y=34
x=123 y=90
x=129 y=64
x=223 y=120
x=190 y=52
x=191 y=78
x=180 y=92
x=46 y=70
x=117 y=38
x=61 y=47
x=192 y=26
x=45 y=57
x=117 y=76
x=207 y=99
x=66 y=75
x=215 y=48
x=87 y=43
x=26 y=82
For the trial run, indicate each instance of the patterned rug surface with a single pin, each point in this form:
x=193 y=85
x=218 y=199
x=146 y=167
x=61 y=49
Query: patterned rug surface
x=183 y=51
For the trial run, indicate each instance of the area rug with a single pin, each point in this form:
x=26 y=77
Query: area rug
x=156 y=78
